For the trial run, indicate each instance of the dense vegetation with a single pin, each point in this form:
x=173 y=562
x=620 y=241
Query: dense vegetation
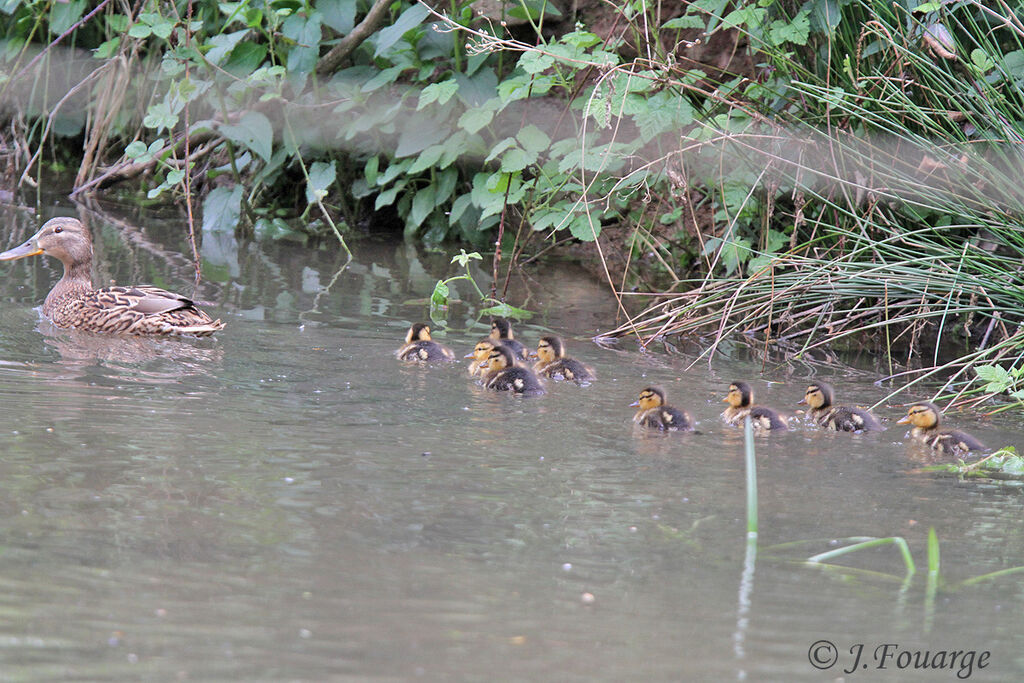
x=803 y=172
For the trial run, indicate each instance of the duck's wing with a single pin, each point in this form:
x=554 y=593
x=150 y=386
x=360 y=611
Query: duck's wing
x=149 y=300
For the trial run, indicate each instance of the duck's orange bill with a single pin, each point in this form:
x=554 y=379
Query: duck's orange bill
x=27 y=249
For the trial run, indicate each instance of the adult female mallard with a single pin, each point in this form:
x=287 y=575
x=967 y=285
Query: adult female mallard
x=926 y=416
x=74 y=303
x=419 y=347
x=654 y=413
x=741 y=404
x=554 y=363
x=819 y=396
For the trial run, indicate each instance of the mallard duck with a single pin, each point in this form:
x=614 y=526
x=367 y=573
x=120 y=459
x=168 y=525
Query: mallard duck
x=502 y=373
x=741 y=403
x=419 y=347
x=479 y=355
x=925 y=416
x=554 y=363
x=655 y=414
x=501 y=331
x=74 y=303
x=819 y=397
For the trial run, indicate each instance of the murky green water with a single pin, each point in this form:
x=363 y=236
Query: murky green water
x=285 y=501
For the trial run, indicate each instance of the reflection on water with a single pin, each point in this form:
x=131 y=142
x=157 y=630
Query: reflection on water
x=285 y=501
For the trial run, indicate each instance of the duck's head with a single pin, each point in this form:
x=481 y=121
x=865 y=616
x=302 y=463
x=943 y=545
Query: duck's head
x=418 y=332
x=925 y=415
x=550 y=349
x=481 y=350
x=651 y=397
x=63 y=238
x=498 y=359
x=740 y=395
x=818 y=395
x=501 y=329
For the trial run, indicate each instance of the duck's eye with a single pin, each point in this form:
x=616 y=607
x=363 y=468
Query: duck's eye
x=58 y=230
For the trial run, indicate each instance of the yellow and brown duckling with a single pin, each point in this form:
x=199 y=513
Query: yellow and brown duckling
x=554 y=363
x=819 y=396
x=479 y=356
x=502 y=374
x=926 y=416
x=501 y=331
x=741 y=404
x=654 y=413
x=420 y=348
x=75 y=303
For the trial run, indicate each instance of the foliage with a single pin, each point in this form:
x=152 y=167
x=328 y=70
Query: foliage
x=839 y=162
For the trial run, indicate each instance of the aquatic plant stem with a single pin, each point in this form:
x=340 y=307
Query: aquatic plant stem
x=751 y=466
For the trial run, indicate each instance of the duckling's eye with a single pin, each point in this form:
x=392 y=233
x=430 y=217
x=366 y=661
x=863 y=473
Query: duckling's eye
x=58 y=230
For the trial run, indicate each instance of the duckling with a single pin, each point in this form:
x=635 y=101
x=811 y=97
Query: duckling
x=420 y=348
x=925 y=416
x=479 y=355
x=501 y=331
x=819 y=397
x=741 y=403
x=554 y=363
x=502 y=373
x=655 y=414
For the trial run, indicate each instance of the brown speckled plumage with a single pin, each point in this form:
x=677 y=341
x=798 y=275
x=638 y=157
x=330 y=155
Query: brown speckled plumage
x=741 y=404
x=74 y=303
x=820 y=397
x=926 y=417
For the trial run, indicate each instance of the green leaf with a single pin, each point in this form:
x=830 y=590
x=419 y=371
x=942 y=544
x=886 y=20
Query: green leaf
x=439 y=297
x=502 y=310
x=140 y=30
x=684 y=22
x=407 y=20
x=64 y=15
x=223 y=45
x=107 y=49
x=422 y=205
x=534 y=61
x=254 y=131
x=996 y=377
x=222 y=208
x=794 y=31
x=321 y=177
x=427 y=159
x=160 y=116
x=584 y=229
x=339 y=15
x=533 y=139
x=437 y=92
x=372 y=166
x=472 y=120
x=516 y=159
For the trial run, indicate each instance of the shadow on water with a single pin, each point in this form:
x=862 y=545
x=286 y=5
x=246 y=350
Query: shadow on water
x=286 y=501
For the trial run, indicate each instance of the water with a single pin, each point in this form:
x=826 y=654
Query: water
x=286 y=501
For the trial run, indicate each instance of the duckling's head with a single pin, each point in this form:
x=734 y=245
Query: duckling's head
x=498 y=359
x=651 y=397
x=501 y=329
x=63 y=238
x=418 y=332
x=481 y=350
x=740 y=395
x=818 y=395
x=550 y=349
x=925 y=415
